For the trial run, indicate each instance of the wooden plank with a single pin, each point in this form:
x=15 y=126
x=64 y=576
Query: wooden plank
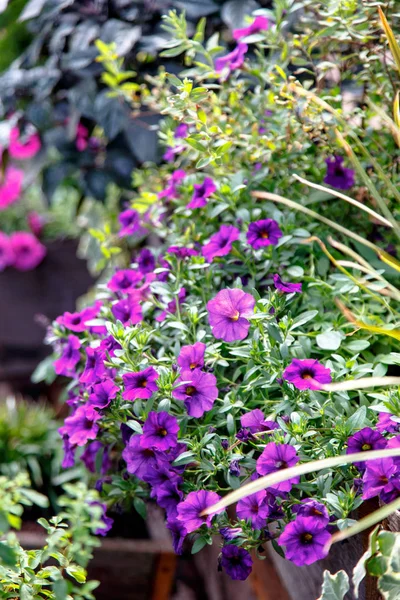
x=164 y=576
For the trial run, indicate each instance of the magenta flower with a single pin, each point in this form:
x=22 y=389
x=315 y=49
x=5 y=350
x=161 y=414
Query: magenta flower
x=259 y=24
x=228 y=314
x=23 y=149
x=70 y=356
x=233 y=60
x=171 y=306
x=77 y=321
x=81 y=426
x=160 y=431
x=221 y=242
x=181 y=131
x=146 y=261
x=276 y=457
x=171 y=152
x=81 y=140
x=69 y=452
x=10 y=186
x=380 y=478
x=307 y=374
x=305 y=540
x=255 y=508
x=364 y=440
x=130 y=221
x=262 y=233
x=202 y=191
x=171 y=191
x=27 y=250
x=89 y=456
x=36 y=223
x=140 y=385
x=6 y=252
x=94 y=368
x=128 y=311
x=109 y=344
x=103 y=393
x=192 y=357
x=255 y=421
x=386 y=423
x=142 y=461
x=189 y=510
x=236 y=561
x=182 y=252
x=337 y=175
x=286 y=287
x=311 y=508
x=124 y=281
x=199 y=391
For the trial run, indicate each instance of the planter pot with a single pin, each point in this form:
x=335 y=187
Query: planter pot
x=29 y=300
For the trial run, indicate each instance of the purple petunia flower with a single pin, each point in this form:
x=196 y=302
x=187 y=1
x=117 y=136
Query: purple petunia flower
x=171 y=306
x=305 y=540
x=171 y=152
x=202 y=191
x=199 y=391
x=262 y=233
x=189 y=510
x=234 y=468
x=70 y=356
x=228 y=314
x=286 y=287
x=230 y=533
x=128 y=311
x=311 y=508
x=124 y=281
x=276 y=457
x=89 y=456
x=168 y=496
x=103 y=393
x=6 y=253
x=160 y=431
x=94 y=367
x=255 y=508
x=106 y=521
x=236 y=561
x=221 y=242
x=130 y=221
x=81 y=426
x=382 y=478
x=364 y=440
x=386 y=423
x=337 y=175
x=192 y=357
x=233 y=60
x=178 y=532
x=77 y=321
x=307 y=374
x=255 y=421
x=171 y=192
x=27 y=251
x=142 y=461
x=69 y=452
x=146 y=261
x=181 y=131
x=259 y=24
x=140 y=385
x=109 y=344
x=182 y=252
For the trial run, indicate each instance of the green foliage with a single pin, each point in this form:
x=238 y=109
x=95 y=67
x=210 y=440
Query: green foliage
x=69 y=544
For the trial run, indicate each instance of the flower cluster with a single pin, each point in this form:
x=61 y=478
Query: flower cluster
x=206 y=360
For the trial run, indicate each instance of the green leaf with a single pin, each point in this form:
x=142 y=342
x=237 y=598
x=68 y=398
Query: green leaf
x=35 y=498
x=60 y=589
x=199 y=544
x=334 y=587
x=140 y=507
x=303 y=318
x=7 y=555
x=26 y=592
x=77 y=572
x=329 y=340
